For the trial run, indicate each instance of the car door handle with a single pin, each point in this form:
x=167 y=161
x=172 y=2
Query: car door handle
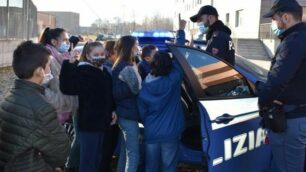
x=226 y=118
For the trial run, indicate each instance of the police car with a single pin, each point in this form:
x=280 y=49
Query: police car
x=223 y=132
x=157 y=38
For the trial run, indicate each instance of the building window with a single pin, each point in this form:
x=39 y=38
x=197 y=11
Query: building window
x=227 y=18
x=238 y=18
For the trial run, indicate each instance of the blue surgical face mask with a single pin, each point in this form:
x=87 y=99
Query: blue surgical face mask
x=276 y=30
x=64 y=47
x=203 y=29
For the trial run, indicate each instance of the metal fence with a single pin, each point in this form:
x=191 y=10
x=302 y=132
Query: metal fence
x=18 y=19
x=18 y=22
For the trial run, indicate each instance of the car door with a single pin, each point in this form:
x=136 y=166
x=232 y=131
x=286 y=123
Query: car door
x=232 y=139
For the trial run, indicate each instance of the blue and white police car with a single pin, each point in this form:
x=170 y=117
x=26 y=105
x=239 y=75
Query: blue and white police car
x=223 y=132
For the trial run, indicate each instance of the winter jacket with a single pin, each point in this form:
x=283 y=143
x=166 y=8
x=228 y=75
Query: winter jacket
x=160 y=106
x=286 y=79
x=93 y=87
x=126 y=101
x=219 y=42
x=131 y=77
x=65 y=105
x=180 y=38
x=144 y=69
x=31 y=139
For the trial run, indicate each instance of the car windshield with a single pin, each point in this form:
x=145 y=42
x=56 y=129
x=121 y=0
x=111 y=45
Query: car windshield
x=254 y=69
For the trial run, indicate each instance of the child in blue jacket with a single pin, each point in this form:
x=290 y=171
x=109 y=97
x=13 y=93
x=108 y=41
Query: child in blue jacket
x=160 y=109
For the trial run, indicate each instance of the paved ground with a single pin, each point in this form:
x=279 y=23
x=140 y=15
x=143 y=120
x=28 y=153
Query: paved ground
x=7 y=78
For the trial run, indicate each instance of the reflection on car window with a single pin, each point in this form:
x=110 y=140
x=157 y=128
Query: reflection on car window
x=217 y=79
x=258 y=71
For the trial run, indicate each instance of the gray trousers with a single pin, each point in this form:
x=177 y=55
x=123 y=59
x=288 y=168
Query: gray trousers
x=288 y=148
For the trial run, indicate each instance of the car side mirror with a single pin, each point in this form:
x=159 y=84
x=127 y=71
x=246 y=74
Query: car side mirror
x=259 y=85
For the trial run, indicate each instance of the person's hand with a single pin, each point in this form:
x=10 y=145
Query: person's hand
x=193 y=32
x=114 y=119
x=74 y=55
x=81 y=38
x=182 y=23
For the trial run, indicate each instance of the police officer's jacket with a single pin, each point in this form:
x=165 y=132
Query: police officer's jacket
x=219 y=42
x=287 y=77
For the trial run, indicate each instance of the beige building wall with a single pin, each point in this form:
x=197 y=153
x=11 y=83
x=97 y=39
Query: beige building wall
x=45 y=20
x=242 y=16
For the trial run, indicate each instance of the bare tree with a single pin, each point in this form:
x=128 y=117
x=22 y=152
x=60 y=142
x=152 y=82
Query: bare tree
x=157 y=22
x=117 y=26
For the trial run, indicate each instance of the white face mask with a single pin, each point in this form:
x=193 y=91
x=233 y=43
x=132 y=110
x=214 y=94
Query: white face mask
x=47 y=78
x=64 y=47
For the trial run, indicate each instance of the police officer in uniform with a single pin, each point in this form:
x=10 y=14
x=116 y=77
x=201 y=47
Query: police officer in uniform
x=218 y=36
x=286 y=87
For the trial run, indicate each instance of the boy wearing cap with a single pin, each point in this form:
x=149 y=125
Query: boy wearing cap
x=285 y=87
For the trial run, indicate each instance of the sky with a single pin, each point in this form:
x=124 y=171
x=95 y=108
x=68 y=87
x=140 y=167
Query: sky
x=90 y=10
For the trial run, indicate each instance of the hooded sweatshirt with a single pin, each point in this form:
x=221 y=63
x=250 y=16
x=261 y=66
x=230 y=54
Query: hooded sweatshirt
x=219 y=42
x=160 y=107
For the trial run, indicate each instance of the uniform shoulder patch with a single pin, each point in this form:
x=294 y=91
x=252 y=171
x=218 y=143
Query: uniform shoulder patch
x=215 y=51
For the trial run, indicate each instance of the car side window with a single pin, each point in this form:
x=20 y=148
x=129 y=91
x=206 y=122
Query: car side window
x=217 y=79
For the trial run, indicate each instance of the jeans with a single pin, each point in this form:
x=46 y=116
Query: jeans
x=288 y=148
x=74 y=156
x=129 y=148
x=91 y=144
x=162 y=156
